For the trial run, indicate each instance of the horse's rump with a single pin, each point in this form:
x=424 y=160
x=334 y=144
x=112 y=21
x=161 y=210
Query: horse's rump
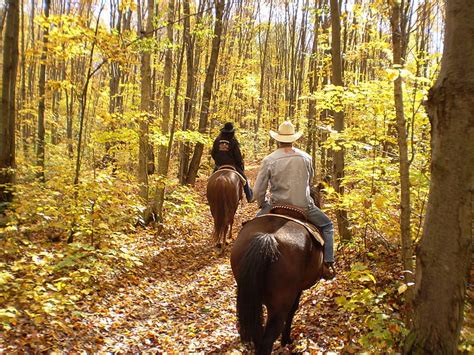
x=273 y=259
x=224 y=191
x=296 y=246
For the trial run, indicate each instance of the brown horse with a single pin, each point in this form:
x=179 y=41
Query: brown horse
x=224 y=192
x=273 y=260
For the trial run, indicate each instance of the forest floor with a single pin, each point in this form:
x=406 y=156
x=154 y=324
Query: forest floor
x=182 y=299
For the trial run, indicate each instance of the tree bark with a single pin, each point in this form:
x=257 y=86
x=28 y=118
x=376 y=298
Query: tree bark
x=341 y=215
x=166 y=115
x=207 y=92
x=82 y=109
x=40 y=142
x=312 y=86
x=444 y=254
x=404 y=165
x=145 y=105
x=190 y=90
x=263 y=65
x=7 y=105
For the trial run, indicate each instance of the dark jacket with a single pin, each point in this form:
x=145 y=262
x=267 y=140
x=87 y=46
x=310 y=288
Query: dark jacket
x=226 y=151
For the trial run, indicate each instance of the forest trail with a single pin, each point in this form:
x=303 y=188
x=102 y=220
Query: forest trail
x=185 y=301
x=181 y=299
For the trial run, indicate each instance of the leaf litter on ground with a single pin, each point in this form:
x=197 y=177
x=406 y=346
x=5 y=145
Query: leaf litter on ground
x=181 y=298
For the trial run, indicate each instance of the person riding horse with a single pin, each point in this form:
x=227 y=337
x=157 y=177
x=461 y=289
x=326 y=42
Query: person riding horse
x=226 y=151
x=289 y=172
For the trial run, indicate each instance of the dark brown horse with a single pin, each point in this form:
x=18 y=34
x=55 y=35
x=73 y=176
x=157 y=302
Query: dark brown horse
x=224 y=192
x=273 y=260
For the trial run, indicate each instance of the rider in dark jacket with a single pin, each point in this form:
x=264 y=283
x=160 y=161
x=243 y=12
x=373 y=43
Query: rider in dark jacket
x=226 y=151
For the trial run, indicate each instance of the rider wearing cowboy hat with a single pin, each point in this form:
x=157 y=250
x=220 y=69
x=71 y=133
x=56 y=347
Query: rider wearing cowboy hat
x=226 y=151
x=289 y=172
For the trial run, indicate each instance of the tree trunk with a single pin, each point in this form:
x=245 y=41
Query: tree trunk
x=312 y=86
x=162 y=150
x=145 y=104
x=23 y=118
x=7 y=105
x=190 y=90
x=82 y=110
x=40 y=143
x=342 y=219
x=207 y=92
x=444 y=254
x=263 y=65
x=404 y=165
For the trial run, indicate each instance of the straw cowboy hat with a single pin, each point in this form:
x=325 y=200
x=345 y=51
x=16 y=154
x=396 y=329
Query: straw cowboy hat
x=286 y=133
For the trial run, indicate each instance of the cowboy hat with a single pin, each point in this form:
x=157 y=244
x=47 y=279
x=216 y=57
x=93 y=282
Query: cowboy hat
x=286 y=133
x=228 y=128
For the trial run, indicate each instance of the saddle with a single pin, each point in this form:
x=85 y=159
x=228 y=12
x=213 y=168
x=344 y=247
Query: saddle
x=298 y=215
x=290 y=211
x=230 y=168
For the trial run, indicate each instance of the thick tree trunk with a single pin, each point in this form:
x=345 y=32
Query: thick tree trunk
x=444 y=254
x=40 y=143
x=341 y=215
x=207 y=92
x=7 y=105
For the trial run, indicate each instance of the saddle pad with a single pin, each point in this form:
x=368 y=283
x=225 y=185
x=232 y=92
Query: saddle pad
x=313 y=231
x=234 y=171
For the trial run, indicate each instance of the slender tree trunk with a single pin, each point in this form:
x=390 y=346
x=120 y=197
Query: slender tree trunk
x=23 y=118
x=82 y=110
x=173 y=128
x=342 y=219
x=7 y=105
x=313 y=85
x=444 y=257
x=263 y=65
x=404 y=165
x=69 y=117
x=190 y=90
x=145 y=106
x=166 y=114
x=40 y=142
x=207 y=93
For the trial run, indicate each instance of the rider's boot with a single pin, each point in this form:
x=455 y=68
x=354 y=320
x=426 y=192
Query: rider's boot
x=328 y=271
x=248 y=192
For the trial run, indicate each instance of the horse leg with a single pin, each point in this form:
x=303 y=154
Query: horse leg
x=224 y=239
x=286 y=335
x=230 y=230
x=273 y=328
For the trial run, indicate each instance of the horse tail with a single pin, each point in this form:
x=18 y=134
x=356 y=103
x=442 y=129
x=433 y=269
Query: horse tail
x=262 y=251
x=220 y=222
x=221 y=209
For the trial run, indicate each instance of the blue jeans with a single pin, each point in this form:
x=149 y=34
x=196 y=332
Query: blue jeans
x=320 y=220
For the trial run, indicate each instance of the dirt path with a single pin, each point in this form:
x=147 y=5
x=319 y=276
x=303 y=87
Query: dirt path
x=183 y=299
